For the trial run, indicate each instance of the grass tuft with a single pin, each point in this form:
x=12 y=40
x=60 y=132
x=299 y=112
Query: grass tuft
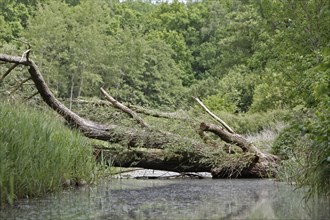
x=37 y=152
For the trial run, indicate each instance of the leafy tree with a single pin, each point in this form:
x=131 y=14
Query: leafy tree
x=297 y=32
x=15 y=15
x=145 y=70
x=238 y=85
x=70 y=45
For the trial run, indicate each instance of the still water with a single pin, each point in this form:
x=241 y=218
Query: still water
x=174 y=199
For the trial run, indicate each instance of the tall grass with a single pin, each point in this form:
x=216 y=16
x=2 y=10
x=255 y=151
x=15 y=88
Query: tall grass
x=37 y=151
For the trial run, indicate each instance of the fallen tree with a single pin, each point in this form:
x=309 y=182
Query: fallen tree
x=151 y=148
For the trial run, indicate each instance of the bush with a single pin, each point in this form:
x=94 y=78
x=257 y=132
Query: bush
x=305 y=147
x=250 y=123
x=288 y=141
x=36 y=152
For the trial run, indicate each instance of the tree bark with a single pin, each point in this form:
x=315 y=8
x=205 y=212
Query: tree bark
x=228 y=137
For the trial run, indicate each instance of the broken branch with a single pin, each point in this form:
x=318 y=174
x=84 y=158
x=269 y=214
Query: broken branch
x=31 y=96
x=125 y=109
x=26 y=54
x=214 y=116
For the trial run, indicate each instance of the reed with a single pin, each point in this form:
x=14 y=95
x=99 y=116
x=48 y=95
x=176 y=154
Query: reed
x=37 y=152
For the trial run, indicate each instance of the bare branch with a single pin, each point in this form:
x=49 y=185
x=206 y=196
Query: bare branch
x=19 y=85
x=8 y=71
x=26 y=54
x=214 y=116
x=125 y=109
x=238 y=140
x=31 y=96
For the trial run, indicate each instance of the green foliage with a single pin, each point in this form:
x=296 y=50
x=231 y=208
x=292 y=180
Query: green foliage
x=305 y=147
x=252 y=123
x=317 y=168
x=290 y=46
x=238 y=87
x=216 y=103
x=15 y=15
x=305 y=143
x=37 y=152
x=290 y=140
x=71 y=54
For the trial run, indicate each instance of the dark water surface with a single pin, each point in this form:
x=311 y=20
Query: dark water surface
x=173 y=199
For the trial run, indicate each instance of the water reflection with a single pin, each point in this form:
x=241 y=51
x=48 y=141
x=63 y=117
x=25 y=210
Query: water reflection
x=173 y=199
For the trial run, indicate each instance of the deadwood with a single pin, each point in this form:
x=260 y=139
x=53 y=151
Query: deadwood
x=31 y=96
x=91 y=102
x=124 y=108
x=214 y=116
x=164 y=150
x=227 y=137
x=153 y=159
x=129 y=137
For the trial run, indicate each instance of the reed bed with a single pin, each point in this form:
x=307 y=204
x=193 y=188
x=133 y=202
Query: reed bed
x=37 y=152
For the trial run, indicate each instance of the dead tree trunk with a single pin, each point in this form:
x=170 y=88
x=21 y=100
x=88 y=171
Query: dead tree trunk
x=173 y=152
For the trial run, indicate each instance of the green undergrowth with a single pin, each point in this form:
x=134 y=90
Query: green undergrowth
x=305 y=151
x=187 y=122
x=253 y=123
x=37 y=152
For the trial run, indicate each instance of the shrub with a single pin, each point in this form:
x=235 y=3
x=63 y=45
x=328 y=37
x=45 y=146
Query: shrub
x=305 y=146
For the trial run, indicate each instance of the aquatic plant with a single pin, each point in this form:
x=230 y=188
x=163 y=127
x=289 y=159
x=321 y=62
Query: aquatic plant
x=38 y=152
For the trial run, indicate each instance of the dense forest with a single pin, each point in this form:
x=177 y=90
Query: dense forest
x=241 y=57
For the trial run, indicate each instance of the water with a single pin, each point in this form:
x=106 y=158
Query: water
x=173 y=199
